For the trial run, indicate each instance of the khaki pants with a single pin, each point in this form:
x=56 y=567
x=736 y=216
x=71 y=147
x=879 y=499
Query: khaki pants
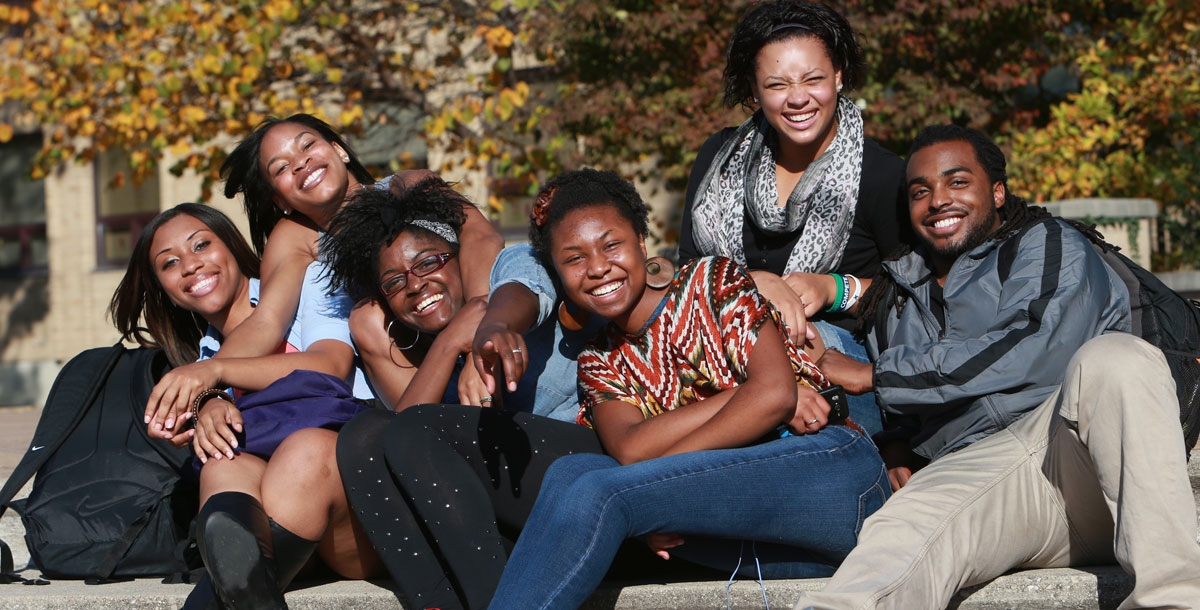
x=1105 y=448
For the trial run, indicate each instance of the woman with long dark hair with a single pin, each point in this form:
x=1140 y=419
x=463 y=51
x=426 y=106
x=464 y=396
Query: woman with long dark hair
x=797 y=193
x=192 y=278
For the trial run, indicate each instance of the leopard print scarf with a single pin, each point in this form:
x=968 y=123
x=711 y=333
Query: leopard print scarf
x=821 y=207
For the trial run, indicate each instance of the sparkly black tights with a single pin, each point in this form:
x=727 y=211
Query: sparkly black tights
x=438 y=486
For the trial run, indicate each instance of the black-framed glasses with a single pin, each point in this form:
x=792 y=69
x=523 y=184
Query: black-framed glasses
x=395 y=283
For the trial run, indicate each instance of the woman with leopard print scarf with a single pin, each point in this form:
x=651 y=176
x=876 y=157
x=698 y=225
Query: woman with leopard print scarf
x=797 y=193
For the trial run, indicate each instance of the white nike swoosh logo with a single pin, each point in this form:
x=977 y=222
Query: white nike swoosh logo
x=38 y=447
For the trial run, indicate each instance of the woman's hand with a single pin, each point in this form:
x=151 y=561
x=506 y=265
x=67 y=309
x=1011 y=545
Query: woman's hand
x=789 y=304
x=472 y=390
x=901 y=462
x=812 y=410
x=659 y=543
x=496 y=345
x=816 y=290
x=216 y=424
x=171 y=399
x=856 y=377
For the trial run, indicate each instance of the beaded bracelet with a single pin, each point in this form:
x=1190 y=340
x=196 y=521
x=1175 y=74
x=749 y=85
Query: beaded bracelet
x=205 y=395
x=841 y=293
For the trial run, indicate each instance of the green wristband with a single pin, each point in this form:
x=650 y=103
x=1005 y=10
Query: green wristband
x=837 y=301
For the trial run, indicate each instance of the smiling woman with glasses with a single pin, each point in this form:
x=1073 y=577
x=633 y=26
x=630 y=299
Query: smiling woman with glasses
x=439 y=486
x=396 y=282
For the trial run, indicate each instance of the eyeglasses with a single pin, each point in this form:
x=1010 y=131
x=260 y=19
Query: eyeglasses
x=395 y=283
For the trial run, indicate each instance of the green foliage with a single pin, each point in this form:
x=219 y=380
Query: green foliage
x=1133 y=128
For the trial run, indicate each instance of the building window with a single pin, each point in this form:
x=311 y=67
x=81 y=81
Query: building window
x=512 y=217
x=121 y=212
x=23 y=248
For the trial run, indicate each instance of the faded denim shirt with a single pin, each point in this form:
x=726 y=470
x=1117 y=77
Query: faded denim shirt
x=549 y=386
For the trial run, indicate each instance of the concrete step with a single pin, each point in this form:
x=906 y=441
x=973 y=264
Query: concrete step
x=1090 y=588
x=1030 y=590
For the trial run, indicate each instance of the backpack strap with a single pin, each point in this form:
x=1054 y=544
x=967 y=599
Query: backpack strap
x=77 y=397
x=1007 y=251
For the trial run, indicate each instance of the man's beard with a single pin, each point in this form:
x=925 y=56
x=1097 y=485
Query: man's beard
x=973 y=239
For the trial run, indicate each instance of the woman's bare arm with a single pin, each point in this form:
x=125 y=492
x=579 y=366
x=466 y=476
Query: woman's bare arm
x=480 y=244
x=732 y=418
x=389 y=369
x=290 y=250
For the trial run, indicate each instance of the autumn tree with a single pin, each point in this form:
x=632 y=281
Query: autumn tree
x=1099 y=95
x=1133 y=128
x=153 y=75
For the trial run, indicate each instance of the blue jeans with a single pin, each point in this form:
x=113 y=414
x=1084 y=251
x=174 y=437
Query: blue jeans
x=808 y=493
x=863 y=409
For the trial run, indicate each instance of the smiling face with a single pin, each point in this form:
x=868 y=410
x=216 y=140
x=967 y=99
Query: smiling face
x=307 y=173
x=797 y=87
x=951 y=201
x=195 y=268
x=426 y=303
x=602 y=263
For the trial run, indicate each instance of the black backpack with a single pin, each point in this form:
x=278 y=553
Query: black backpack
x=109 y=503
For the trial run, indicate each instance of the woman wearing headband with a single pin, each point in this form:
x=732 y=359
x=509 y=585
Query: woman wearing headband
x=797 y=194
x=442 y=488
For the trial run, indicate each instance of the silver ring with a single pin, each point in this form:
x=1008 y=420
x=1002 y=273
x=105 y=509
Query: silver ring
x=814 y=420
x=485 y=399
x=517 y=351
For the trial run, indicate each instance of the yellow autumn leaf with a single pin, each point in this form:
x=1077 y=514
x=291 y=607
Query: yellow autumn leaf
x=180 y=147
x=6 y=132
x=211 y=64
x=192 y=114
x=334 y=75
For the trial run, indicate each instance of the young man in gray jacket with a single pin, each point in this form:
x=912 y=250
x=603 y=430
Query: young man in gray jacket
x=1006 y=364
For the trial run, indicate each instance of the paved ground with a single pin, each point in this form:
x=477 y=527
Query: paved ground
x=1090 y=589
x=16 y=428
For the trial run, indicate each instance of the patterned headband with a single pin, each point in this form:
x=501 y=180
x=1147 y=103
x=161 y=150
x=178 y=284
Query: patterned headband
x=440 y=229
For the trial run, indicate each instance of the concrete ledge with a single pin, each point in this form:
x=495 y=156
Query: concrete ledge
x=1186 y=283
x=1089 y=589
x=1104 y=208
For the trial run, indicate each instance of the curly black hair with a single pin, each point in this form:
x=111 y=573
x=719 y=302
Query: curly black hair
x=371 y=221
x=580 y=189
x=242 y=174
x=761 y=26
x=1015 y=214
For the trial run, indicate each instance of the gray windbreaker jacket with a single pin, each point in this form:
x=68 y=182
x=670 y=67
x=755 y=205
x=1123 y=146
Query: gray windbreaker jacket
x=1006 y=343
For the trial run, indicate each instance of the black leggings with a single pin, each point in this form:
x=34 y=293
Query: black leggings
x=437 y=487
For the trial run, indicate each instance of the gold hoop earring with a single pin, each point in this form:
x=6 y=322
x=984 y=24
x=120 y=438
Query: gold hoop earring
x=571 y=321
x=393 y=340
x=659 y=272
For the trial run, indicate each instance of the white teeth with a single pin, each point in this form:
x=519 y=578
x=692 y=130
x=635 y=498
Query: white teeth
x=605 y=289
x=313 y=177
x=800 y=118
x=202 y=284
x=946 y=222
x=426 y=302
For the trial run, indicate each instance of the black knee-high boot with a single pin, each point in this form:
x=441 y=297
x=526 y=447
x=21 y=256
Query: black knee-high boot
x=234 y=539
x=291 y=553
